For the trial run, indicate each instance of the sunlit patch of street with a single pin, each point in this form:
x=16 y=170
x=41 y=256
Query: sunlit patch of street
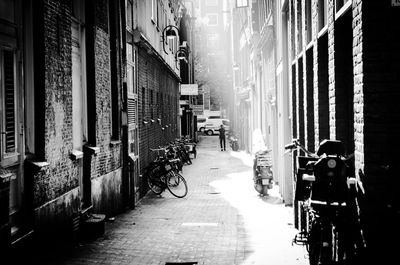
x=268 y=223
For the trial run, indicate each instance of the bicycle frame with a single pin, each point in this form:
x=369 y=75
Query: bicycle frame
x=333 y=234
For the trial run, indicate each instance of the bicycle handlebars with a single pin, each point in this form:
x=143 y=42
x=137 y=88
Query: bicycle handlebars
x=296 y=143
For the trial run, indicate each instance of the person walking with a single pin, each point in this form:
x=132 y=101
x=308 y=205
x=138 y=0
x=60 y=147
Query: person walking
x=222 y=140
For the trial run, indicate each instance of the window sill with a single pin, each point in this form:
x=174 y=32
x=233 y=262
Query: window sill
x=38 y=165
x=76 y=155
x=310 y=45
x=91 y=150
x=343 y=10
x=322 y=31
x=7 y=177
x=10 y=160
x=115 y=143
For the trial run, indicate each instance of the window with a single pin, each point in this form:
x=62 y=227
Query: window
x=132 y=99
x=264 y=10
x=154 y=11
x=211 y=3
x=9 y=105
x=129 y=15
x=322 y=14
x=268 y=8
x=308 y=21
x=212 y=19
x=212 y=40
x=165 y=18
x=79 y=131
x=340 y=4
x=299 y=21
x=160 y=20
x=130 y=69
x=7 y=9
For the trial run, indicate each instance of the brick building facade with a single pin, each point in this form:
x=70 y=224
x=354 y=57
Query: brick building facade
x=64 y=156
x=82 y=101
x=344 y=82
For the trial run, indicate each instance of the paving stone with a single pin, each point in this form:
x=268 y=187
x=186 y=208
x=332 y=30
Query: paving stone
x=221 y=221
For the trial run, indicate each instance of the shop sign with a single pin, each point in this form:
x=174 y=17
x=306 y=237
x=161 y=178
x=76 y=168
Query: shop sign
x=198 y=109
x=395 y=2
x=242 y=3
x=189 y=89
x=184 y=102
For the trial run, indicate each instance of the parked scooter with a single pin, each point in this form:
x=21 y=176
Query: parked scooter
x=233 y=141
x=262 y=170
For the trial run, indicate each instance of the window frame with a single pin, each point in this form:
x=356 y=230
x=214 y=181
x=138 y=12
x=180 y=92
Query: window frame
x=154 y=6
x=211 y=3
x=322 y=15
x=212 y=40
x=160 y=8
x=78 y=21
x=308 y=21
x=208 y=15
x=342 y=7
x=129 y=15
x=9 y=158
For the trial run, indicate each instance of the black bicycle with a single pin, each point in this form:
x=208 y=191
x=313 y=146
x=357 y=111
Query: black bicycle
x=329 y=194
x=163 y=173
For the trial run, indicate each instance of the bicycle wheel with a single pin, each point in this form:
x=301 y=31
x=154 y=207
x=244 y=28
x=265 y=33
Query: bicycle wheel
x=314 y=243
x=322 y=244
x=176 y=184
x=155 y=185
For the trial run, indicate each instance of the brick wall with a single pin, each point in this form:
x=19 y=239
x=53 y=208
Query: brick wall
x=154 y=78
x=331 y=67
x=62 y=174
x=358 y=86
x=109 y=158
x=356 y=81
x=376 y=55
x=309 y=73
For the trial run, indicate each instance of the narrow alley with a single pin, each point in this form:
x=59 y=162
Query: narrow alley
x=221 y=221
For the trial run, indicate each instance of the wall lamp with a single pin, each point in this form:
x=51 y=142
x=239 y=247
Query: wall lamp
x=183 y=52
x=170 y=32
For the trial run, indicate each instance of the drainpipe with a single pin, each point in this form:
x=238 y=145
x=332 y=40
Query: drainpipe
x=127 y=196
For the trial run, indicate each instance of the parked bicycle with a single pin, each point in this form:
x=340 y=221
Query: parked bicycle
x=330 y=194
x=181 y=149
x=163 y=173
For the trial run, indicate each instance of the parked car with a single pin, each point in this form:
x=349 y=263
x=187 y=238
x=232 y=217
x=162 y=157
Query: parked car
x=212 y=125
x=201 y=124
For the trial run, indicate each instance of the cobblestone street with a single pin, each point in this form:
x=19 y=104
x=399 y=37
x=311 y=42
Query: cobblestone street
x=221 y=221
